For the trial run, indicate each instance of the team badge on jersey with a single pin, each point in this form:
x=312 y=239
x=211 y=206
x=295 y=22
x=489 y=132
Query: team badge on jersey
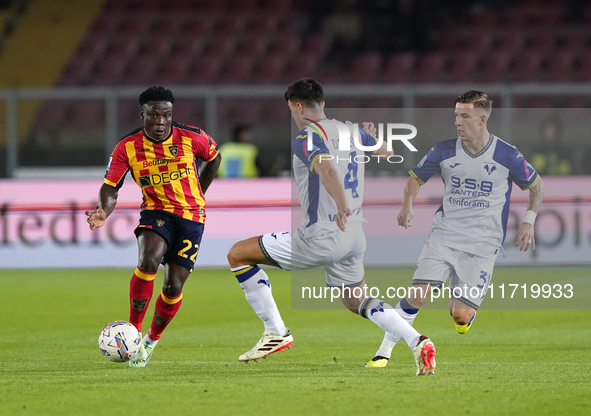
x=160 y=222
x=173 y=150
x=490 y=168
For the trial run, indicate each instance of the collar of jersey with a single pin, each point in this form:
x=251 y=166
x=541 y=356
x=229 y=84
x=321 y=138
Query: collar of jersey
x=484 y=149
x=147 y=136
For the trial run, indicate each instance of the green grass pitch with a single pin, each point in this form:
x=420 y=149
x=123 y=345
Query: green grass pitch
x=512 y=362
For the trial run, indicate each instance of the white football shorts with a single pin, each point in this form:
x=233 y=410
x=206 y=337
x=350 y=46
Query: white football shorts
x=340 y=253
x=470 y=273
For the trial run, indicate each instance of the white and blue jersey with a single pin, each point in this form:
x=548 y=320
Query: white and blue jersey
x=473 y=217
x=317 y=205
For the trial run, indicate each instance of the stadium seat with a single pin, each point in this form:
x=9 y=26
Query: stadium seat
x=254 y=45
x=222 y=46
x=77 y=71
x=173 y=72
x=269 y=70
x=463 y=67
x=478 y=41
x=124 y=47
x=109 y=71
x=264 y=23
x=236 y=71
x=189 y=46
x=300 y=68
x=495 y=66
x=139 y=25
x=205 y=71
x=431 y=68
x=511 y=41
x=232 y=24
x=141 y=71
x=184 y=111
x=86 y=114
x=169 y=25
x=528 y=66
x=399 y=68
x=365 y=68
x=128 y=114
x=105 y=24
x=51 y=115
x=93 y=46
x=560 y=66
x=203 y=25
x=315 y=46
x=285 y=44
x=157 y=47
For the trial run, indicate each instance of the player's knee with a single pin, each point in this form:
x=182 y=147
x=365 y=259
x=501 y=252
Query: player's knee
x=148 y=265
x=172 y=289
x=234 y=255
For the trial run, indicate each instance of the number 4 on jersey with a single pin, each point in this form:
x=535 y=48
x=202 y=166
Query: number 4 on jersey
x=351 y=181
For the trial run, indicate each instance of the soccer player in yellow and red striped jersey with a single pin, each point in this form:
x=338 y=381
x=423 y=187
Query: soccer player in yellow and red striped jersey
x=162 y=159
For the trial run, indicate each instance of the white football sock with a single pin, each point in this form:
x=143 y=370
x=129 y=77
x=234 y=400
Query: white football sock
x=384 y=316
x=257 y=289
x=408 y=313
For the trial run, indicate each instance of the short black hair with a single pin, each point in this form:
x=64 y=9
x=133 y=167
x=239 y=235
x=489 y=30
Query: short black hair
x=156 y=93
x=306 y=90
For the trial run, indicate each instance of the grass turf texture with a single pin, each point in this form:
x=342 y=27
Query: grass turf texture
x=512 y=362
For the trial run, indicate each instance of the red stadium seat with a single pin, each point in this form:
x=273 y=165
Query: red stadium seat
x=141 y=71
x=204 y=25
x=253 y=45
x=287 y=45
x=51 y=115
x=300 y=68
x=232 y=24
x=561 y=66
x=528 y=66
x=543 y=41
x=87 y=114
x=189 y=46
x=236 y=71
x=205 y=71
x=269 y=70
x=222 y=46
x=264 y=23
x=247 y=111
x=431 y=68
x=77 y=72
x=157 y=47
x=173 y=71
x=109 y=71
x=128 y=113
x=495 y=66
x=511 y=41
x=478 y=41
x=124 y=47
x=399 y=68
x=185 y=111
x=140 y=24
x=93 y=46
x=169 y=25
x=105 y=24
x=365 y=68
x=315 y=46
x=463 y=67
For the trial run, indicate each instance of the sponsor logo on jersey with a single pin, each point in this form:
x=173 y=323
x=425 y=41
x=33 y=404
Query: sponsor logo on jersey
x=454 y=165
x=164 y=178
x=379 y=308
x=422 y=161
x=160 y=162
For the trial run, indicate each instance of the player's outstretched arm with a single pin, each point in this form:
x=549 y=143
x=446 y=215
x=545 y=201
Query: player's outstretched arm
x=107 y=201
x=525 y=233
x=330 y=180
x=208 y=172
x=406 y=214
x=370 y=128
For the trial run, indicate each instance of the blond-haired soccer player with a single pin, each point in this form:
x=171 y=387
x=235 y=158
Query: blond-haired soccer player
x=478 y=170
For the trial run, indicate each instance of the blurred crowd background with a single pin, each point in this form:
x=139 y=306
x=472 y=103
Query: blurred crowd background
x=533 y=56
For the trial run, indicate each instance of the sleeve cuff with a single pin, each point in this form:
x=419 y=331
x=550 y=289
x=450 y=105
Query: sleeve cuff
x=414 y=175
x=315 y=159
x=532 y=185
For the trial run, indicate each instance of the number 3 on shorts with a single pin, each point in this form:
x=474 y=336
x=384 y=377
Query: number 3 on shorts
x=188 y=246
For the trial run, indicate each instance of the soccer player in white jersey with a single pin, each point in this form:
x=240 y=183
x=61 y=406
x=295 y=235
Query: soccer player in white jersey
x=331 y=234
x=469 y=228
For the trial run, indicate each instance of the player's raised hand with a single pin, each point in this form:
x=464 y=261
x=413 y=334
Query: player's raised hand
x=369 y=128
x=341 y=218
x=96 y=218
x=525 y=237
x=405 y=216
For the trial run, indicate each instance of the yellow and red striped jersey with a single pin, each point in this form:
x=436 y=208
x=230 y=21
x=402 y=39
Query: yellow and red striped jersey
x=165 y=170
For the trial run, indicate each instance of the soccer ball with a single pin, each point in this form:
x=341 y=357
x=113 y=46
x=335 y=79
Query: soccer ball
x=119 y=341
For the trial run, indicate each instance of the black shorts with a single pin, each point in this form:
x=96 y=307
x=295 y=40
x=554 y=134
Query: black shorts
x=182 y=236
